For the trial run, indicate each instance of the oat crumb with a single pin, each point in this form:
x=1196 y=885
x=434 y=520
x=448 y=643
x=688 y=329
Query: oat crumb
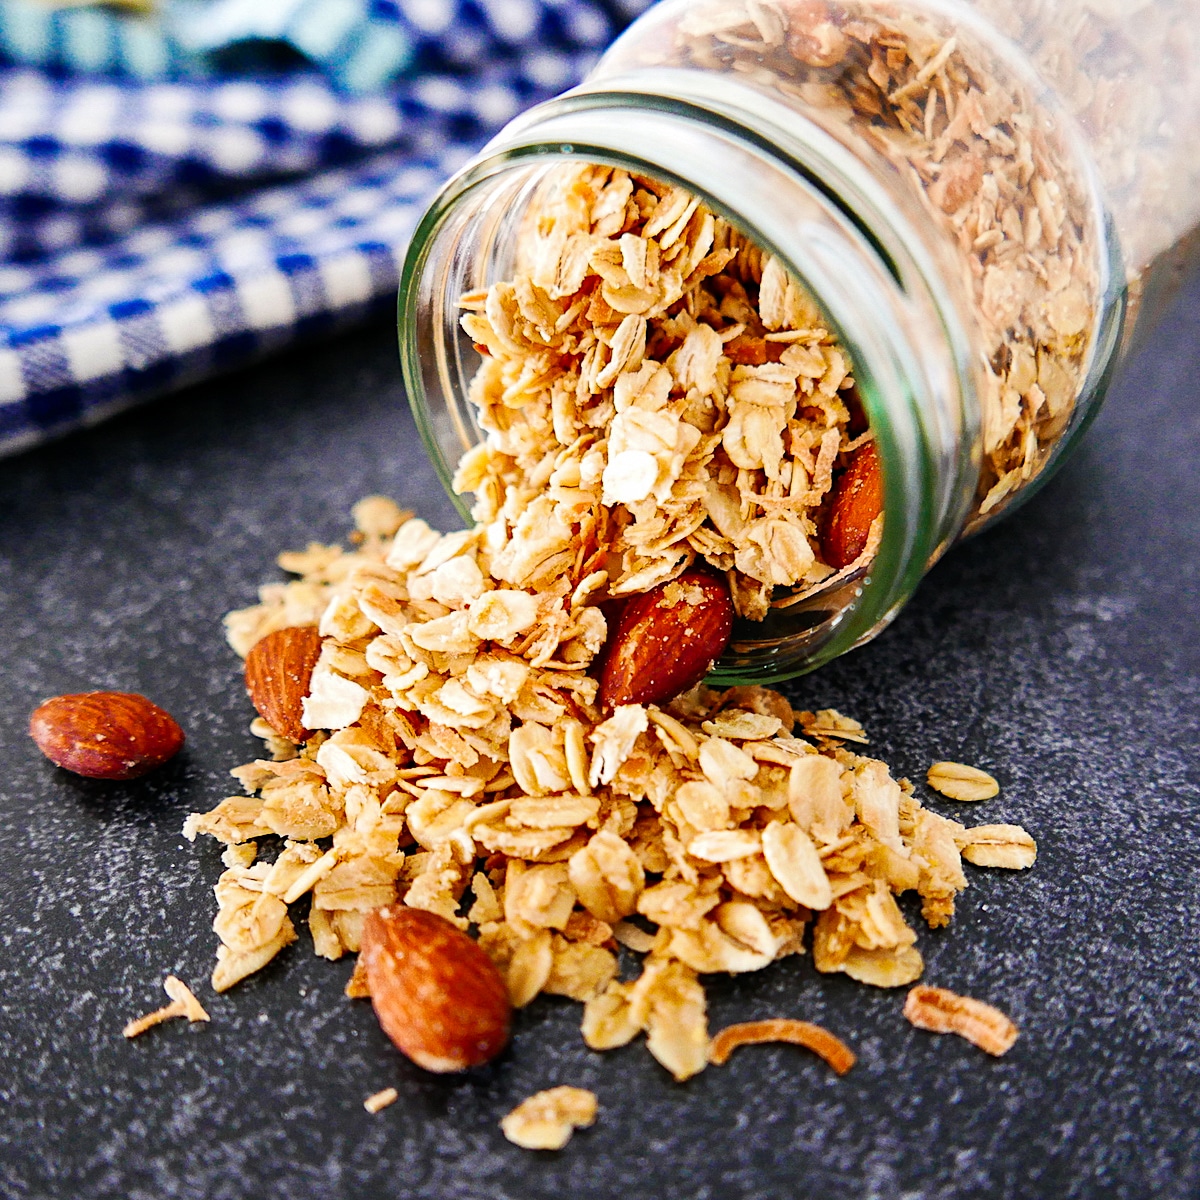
x=380 y=1100
x=357 y=987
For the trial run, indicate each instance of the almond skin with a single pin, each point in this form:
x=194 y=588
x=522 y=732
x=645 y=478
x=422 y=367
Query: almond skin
x=105 y=735
x=279 y=670
x=435 y=991
x=666 y=640
x=854 y=502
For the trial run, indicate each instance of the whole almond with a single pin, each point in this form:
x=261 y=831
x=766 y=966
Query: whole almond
x=105 y=735
x=855 y=500
x=666 y=639
x=435 y=991
x=279 y=670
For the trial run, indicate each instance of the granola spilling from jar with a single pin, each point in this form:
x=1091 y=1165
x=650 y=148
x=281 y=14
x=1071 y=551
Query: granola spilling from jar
x=654 y=389
x=988 y=162
x=454 y=760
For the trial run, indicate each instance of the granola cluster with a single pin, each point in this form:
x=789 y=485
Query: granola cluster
x=653 y=389
x=461 y=766
x=547 y=1119
x=988 y=161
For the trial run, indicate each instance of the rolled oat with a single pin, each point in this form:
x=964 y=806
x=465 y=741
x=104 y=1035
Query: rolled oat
x=998 y=846
x=959 y=782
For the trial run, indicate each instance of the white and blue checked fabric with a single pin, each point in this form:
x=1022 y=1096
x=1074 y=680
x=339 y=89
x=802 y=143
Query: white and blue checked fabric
x=153 y=232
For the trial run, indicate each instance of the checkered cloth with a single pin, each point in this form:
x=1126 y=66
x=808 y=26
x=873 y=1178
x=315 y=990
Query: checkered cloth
x=152 y=233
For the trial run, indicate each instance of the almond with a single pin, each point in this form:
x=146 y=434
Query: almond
x=666 y=639
x=437 y=994
x=279 y=670
x=854 y=502
x=105 y=735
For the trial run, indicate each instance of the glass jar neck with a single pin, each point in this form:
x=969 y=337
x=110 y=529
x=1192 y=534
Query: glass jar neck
x=874 y=268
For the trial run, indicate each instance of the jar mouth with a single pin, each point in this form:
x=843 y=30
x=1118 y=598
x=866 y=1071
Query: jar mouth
x=798 y=195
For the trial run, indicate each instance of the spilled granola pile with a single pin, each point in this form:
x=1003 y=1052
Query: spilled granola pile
x=460 y=764
x=654 y=390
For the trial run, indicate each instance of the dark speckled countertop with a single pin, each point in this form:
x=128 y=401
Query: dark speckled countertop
x=1060 y=651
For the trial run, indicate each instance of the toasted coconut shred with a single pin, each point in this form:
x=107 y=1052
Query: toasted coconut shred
x=183 y=1004
x=798 y=1033
x=942 y=1011
x=461 y=765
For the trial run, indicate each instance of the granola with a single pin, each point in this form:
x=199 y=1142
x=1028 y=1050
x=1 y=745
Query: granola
x=653 y=389
x=475 y=777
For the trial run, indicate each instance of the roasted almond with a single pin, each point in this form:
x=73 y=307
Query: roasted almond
x=855 y=500
x=279 y=670
x=105 y=735
x=437 y=994
x=666 y=639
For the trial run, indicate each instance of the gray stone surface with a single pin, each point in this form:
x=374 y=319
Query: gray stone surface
x=1059 y=650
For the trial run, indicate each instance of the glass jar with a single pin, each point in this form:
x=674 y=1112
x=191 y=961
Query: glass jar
x=983 y=198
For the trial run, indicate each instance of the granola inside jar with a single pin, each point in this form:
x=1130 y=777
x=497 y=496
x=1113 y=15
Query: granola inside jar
x=668 y=317
x=655 y=390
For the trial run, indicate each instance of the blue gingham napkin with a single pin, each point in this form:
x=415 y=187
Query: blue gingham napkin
x=155 y=230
